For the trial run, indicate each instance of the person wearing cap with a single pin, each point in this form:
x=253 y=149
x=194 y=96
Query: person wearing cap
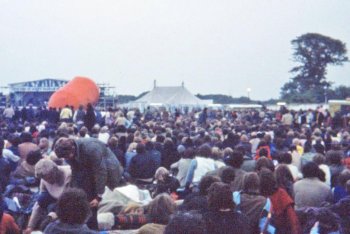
x=94 y=166
x=54 y=181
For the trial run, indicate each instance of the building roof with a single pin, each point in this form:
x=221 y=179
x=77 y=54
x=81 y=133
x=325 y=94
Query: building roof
x=40 y=80
x=42 y=85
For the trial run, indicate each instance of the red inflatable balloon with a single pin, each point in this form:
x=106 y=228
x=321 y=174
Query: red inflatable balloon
x=85 y=89
x=61 y=98
x=79 y=91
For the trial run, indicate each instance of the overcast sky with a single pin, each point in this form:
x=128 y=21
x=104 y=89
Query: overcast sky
x=216 y=46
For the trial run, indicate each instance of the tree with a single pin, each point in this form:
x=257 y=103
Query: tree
x=313 y=52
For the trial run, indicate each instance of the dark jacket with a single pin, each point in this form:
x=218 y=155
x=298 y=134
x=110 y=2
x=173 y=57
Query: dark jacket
x=120 y=155
x=80 y=116
x=142 y=166
x=90 y=119
x=94 y=167
x=59 y=228
x=342 y=209
x=230 y=222
x=169 y=185
x=5 y=171
x=155 y=154
x=335 y=172
x=252 y=206
x=195 y=201
x=248 y=164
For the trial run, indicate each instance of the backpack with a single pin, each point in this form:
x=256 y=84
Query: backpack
x=265 y=225
x=20 y=201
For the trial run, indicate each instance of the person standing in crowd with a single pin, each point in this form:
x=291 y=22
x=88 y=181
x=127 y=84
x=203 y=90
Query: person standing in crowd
x=79 y=116
x=287 y=119
x=94 y=166
x=202 y=120
x=66 y=114
x=30 y=113
x=8 y=113
x=90 y=117
x=53 y=116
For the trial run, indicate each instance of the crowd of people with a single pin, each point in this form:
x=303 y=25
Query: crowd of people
x=182 y=171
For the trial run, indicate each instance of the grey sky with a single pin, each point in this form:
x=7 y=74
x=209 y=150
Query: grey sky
x=221 y=46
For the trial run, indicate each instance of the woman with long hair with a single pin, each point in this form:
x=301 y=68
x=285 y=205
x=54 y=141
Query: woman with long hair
x=284 y=179
x=283 y=213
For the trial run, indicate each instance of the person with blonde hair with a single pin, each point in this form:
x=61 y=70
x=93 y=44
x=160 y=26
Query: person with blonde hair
x=165 y=183
x=54 y=181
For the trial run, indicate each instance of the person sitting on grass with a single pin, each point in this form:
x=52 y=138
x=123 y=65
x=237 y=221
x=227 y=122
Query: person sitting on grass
x=73 y=210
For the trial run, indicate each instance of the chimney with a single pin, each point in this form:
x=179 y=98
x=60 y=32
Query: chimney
x=154 y=83
x=183 y=84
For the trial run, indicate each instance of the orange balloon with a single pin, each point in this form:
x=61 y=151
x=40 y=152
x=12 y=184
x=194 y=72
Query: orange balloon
x=61 y=98
x=85 y=89
x=78 y=91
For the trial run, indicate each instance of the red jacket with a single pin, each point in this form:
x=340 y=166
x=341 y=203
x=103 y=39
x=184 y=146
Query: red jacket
x=283 y=214
x=268 y=152
x=8 y=225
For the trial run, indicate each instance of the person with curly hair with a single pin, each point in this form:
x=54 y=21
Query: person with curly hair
x=73 y=210
x=94 y=166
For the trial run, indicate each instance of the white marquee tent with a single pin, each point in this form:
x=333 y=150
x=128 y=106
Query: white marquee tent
x=169 y=96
